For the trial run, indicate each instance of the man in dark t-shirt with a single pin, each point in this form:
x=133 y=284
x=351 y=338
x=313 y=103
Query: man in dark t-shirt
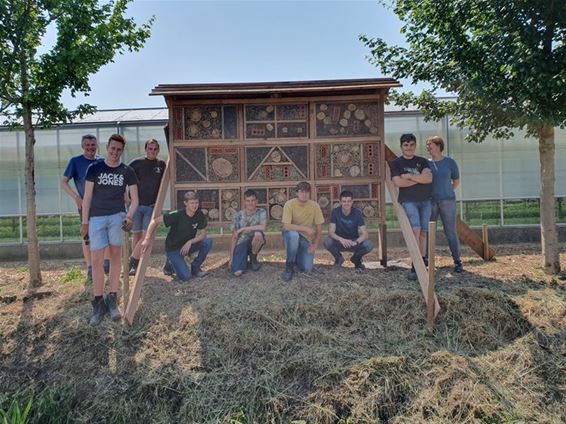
x=412 y=175
x=186 y=236
x=347 y=232
x=149 y=171
x=103 y=218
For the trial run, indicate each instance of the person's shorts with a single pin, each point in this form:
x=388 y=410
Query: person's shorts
x=105 y=230
x=418 y=214
x=142 y=217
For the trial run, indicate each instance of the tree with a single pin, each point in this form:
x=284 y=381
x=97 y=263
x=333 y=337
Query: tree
x=505 y=61
x=88 y=36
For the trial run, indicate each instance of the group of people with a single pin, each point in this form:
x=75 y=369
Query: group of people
x=426 y=191
x=112 y=197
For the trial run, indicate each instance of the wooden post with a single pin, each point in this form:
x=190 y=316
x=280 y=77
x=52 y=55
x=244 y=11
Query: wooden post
x=430 y=315
x=485 y=239
x=382 y=239
x=135 y=294
x=125 y=269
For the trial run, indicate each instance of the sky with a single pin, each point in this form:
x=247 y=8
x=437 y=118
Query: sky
x=242 y=41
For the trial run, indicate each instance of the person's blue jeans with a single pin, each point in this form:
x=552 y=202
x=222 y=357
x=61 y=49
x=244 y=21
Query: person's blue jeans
x=447 y=211
x=361 y=249
x=180 y=267
x=241 y=253
x=418 y=214
x=297 y=249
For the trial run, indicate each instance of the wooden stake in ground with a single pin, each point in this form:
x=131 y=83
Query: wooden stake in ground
x=430 y=315
x=125 y=269
x=485 y=240
x=411 y=241
x=135 y=294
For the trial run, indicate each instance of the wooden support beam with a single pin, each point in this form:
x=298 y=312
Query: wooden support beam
x=430 y=315
x=382 y=238
x=125 y=270
x=135 y=293
x=485 y=241
x=472 y=239
x=412 y=245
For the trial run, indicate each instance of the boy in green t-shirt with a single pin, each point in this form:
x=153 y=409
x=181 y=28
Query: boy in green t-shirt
x=187 y=234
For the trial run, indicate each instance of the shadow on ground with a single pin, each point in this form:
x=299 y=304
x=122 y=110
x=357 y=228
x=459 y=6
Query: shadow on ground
x=329 y=347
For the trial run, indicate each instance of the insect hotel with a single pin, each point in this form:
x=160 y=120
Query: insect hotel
x=227 y=138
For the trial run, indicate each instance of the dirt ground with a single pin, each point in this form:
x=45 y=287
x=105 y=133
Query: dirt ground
x=332 y=347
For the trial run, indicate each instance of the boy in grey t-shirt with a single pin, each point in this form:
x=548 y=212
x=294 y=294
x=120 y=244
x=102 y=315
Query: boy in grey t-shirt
x=248 y=227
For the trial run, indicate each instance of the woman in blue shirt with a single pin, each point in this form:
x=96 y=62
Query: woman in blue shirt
x=445 y=179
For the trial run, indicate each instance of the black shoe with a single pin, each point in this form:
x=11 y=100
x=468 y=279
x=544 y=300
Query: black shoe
x=197 y=272
x=98 y=311
x=106 y=266
x=133 y=266
x=168 y=269
x=254 y=264
x=288 y=274
x=359 y=267
x=111 y=304
x=338 y=262
x=458 y=268
x=412 y=274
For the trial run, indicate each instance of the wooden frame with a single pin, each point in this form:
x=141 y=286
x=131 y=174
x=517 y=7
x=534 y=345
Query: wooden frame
x=204 y=102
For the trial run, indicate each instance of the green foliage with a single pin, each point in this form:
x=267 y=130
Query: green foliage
x=14 y=415
x=88 y=36
x=73 y=276
x=50 y=406
x=506 y=61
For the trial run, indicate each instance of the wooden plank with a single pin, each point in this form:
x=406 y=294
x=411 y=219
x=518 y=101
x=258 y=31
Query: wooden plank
x=465 y=233
x=472 y=239
x=412 y=245
x=382 y=237
x=430 y=315
x=135 y=293
x=125 y=269
x=485 y=241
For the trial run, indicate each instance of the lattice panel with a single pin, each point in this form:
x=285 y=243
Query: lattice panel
x=277 y=121
x=217 y=204
x=211 y=122
x=207 y=164
x=277 y=163
x=346 y=160
x=346 y=119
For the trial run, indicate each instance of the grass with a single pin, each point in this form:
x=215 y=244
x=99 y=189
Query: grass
x=74 y=275
x=336 y=347
x=14 y=414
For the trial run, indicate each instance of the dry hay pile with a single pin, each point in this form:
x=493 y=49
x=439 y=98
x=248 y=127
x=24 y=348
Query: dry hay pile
x=335 y=347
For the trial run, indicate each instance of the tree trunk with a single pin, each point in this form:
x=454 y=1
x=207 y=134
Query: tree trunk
x=548 y=230
x=33 y=243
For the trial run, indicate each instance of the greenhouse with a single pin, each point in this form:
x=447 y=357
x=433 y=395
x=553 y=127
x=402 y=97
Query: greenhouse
x=499 y=179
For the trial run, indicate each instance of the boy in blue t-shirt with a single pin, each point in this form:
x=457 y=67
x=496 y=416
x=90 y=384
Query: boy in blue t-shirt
x=76 y=171
x=347 y=232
